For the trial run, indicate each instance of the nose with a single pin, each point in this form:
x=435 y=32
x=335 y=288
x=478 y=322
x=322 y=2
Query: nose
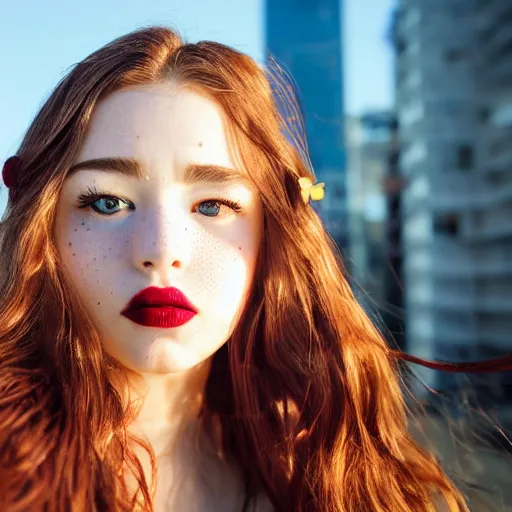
x=160 y=243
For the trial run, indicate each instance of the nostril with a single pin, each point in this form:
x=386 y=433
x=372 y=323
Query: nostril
x=147 y=264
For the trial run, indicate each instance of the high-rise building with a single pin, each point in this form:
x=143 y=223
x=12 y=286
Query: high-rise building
x=454 y=100
x=373 y=190
x=368 y=141
x=393 y=185
x=305 y=38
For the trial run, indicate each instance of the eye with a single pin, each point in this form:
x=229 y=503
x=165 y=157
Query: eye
x=109 y=205
x=209 y=208
x=217 y=207
x=103 y=204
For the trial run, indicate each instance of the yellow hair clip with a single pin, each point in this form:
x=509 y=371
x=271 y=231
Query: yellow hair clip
x=308 y=190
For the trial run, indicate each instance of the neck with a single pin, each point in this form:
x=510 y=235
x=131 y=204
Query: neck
x=190 y=472
x=168 y=406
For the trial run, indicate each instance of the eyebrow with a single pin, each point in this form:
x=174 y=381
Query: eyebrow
x=194 y=173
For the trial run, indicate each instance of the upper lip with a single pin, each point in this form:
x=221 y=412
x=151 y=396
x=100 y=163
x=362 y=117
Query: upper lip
x=160 y=297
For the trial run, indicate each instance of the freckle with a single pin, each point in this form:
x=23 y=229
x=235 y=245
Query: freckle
x=239 y=248
x=76 y=229
x=200 y=144
x=99 y=303
x=94 y=259
x=88 y=229
x=83 y=223
x=74 y=254
x=70 y=244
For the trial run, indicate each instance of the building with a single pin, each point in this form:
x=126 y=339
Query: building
x=305 y=38
x=454 y=101
x=370 y=140
x=393 y=185
x=489 y=227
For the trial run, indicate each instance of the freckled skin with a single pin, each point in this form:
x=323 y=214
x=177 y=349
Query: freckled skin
x=163 y=242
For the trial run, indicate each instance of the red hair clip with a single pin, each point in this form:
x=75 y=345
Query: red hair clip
x=10 y=171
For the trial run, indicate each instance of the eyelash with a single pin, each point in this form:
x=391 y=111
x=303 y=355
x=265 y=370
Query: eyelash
x=91 y=195
x=234 y=205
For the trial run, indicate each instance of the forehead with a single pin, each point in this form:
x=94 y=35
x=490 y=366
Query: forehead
x=155 y=121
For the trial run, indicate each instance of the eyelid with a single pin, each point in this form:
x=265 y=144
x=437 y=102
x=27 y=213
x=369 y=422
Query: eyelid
x=223 y=200
x=232 y=204
x=91 y=194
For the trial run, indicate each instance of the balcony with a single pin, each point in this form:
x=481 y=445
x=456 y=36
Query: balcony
x=498 y=72
x=455 y=270
x=451 y=191
x=498 y=153
x=449 y=202
x=463 y=335
x=498 y=42
x=496 y=336
x=473 y=304
x=445 y=303
x=491 y=233
x=481 y=197
x=488 y=196
x=493 y=223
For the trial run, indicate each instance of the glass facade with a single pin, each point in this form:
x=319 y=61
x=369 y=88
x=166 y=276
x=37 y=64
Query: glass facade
x=305 y=38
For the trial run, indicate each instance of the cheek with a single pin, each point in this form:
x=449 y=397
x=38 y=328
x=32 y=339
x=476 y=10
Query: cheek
x=89 y=259
x=223 y=267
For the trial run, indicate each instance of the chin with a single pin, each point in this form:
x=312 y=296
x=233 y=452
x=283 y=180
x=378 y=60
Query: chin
x=166 y=356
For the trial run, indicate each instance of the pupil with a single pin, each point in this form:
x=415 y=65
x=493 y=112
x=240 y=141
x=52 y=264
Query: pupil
x=110 y=204
x=210 y=208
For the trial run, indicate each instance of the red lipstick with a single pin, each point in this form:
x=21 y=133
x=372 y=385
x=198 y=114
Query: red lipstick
x=164 y=308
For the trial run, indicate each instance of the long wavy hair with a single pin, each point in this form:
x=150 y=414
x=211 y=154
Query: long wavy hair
x=306 y=393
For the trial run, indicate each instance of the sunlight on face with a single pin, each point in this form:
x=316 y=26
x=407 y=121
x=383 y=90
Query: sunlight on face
x=156 y=200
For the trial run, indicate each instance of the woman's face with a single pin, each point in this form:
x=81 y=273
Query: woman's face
x=157 y=202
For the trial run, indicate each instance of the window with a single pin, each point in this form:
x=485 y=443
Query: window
x=339 y=191
x=446 y=224
x=503 y=52
x=484 y=114
x=495 y=177
x=465 y=157
x=400 y=46
x=455 y=55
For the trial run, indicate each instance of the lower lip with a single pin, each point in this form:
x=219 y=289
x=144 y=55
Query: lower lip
x=160 y=317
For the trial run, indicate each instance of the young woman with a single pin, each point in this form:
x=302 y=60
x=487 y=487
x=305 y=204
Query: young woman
x=176 y=330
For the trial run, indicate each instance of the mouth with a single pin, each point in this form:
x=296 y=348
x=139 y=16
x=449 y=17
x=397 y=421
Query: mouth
x=163 y=308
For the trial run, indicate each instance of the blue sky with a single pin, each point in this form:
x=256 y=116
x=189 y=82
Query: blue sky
x=40 y=40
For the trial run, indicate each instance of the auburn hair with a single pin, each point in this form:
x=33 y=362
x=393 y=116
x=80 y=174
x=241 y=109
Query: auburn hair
x=305 y=393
